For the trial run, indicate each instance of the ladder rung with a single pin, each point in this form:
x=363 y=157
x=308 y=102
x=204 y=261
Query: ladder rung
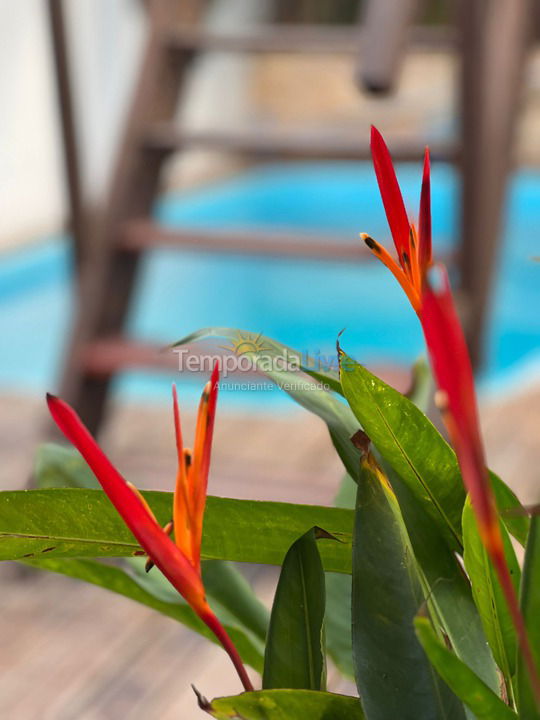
x=142 y=234
x=137 y=235
x=344 y=39
x=336 y=146
x=108 y=356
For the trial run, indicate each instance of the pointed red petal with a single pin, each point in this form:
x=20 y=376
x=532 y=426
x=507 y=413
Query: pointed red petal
x=219 y=631
x=130 y=507
x=390 y=193
x=453 y=372
x=424 y=220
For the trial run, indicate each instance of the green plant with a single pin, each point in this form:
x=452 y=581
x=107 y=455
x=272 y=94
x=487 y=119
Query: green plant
x=411 y=582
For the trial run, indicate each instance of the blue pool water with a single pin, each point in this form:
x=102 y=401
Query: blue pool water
x=302 y=303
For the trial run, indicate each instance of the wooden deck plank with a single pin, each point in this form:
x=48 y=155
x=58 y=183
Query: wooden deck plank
x=89 y=655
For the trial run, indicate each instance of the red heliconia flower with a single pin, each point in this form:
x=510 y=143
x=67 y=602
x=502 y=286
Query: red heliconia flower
x=413 y=247
x=430 y=294
x=178 y=560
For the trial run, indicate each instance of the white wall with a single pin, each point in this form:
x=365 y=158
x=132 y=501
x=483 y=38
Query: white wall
x=105 y=41
x=31 y=197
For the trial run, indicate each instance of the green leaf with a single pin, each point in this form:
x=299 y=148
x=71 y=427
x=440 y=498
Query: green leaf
x=342 y=423
x=530 y=607
x=59 y=466
x=284 y=705
x=145 y=589
x=409 y=442
x=83 y=523
x=515 y=518
x=461 y=679
x=488 y=595
x=56 y=466
x=449 y=592
x=327 y=405
x=225 y=584
x=295 y=650
x=393 y=676
x=338 y=617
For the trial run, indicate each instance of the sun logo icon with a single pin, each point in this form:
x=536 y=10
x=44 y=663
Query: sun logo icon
x=246 y=343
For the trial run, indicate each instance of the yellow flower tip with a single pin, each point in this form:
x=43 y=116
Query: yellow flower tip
x=370 y=242
x=206 y=392
x=402 y=272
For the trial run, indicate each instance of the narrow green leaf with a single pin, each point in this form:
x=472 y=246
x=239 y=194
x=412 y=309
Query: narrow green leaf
x=530 y=606
x=515 y=518
x=461 y=679
x=295 y=648
x=488 y=595
x=409 y=442
x=284 y=705
x=83 y=523
x=393 y=676
x=225 y=584
x=147 y=591
x=449 y=591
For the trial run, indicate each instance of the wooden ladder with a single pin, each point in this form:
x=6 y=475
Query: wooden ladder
x=124 y=230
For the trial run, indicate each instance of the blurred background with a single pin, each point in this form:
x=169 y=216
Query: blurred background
x=170 y=166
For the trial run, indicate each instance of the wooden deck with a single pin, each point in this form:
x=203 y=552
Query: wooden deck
x=72 y=651
x=75 y=652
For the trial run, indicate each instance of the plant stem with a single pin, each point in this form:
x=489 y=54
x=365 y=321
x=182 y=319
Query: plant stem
x=219 y=631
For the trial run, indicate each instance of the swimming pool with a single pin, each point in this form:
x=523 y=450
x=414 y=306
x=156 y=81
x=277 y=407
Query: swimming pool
x=302 y=303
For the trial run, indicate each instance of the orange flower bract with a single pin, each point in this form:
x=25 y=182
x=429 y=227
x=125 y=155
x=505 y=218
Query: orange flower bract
x=178 y=560
x=413 y=248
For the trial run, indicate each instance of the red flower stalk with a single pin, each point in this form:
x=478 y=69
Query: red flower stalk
x=413 y=248
x=178 y=560
x=457 y=402
x=432 y=299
